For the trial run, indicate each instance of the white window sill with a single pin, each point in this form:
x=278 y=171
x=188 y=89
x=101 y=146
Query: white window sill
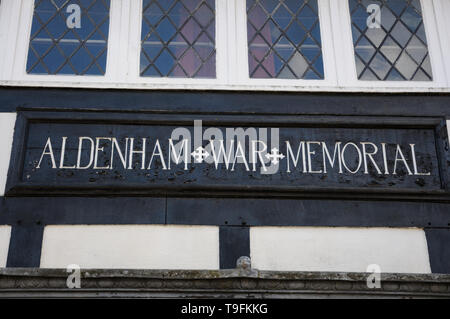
x=366 y=87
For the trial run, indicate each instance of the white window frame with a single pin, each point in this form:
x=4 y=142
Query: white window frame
x=231 y=52
x=242 y=69
x=345 y=50
x=133 y=55
x=442 y=14
x=15 y=64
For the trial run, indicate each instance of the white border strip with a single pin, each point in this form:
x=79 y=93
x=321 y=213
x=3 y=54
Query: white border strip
x=7 y=123
x=224 y=87
x=5 y=237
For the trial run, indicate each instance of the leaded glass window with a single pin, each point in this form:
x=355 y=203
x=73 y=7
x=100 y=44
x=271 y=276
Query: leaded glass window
x=389 y=40
x=69 y=37
x=284 y=39
x=178 y=39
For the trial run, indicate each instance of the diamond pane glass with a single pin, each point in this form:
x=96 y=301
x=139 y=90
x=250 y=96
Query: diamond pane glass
x=389 y=40
x=69 y=37
x=284 y=39
x=178 y=39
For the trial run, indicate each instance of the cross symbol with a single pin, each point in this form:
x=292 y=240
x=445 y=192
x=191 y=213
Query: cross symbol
x=200 y=154
x=274 y=156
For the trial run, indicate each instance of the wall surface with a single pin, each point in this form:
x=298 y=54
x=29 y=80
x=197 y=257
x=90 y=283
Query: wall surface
x=195 y=231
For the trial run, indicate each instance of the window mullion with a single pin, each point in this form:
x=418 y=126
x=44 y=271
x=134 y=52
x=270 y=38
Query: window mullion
x=15 y=10
x=328 y=45
x=118 y=33
x=240 y=43
x=343 y=43
x=441 y=13
x=134 y=22
x=224 y=51
x=434 y=45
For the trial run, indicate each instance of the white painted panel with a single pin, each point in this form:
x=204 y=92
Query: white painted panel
x=131 y=246
x=339 y=249
x=7 y=122
x=5 y=235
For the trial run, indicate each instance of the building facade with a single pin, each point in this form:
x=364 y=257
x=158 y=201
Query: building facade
x=308 y=135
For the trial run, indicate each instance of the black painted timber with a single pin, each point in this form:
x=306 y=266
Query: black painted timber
x=25 y=244
x=438 y=240
x=18 y=186
x=226 y=102
x=234 y=242
x=222 y=212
